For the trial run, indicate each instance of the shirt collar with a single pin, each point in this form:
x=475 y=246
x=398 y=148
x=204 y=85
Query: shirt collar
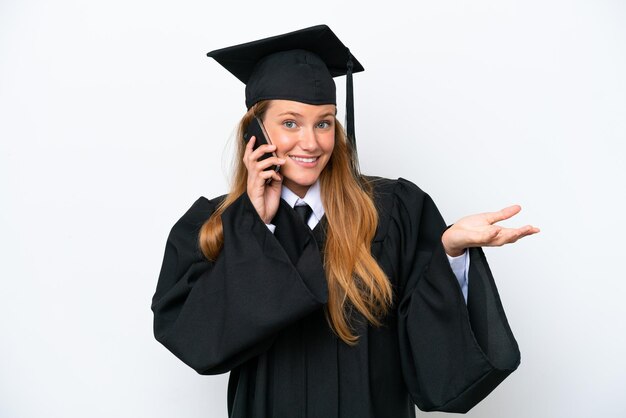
x=313 y=198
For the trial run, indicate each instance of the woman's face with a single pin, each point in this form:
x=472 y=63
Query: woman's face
x=304 y=135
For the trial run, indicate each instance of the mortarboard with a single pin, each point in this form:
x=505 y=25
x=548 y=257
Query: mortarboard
x=297 y=66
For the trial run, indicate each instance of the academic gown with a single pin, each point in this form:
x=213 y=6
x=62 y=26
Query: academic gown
x=257 y=311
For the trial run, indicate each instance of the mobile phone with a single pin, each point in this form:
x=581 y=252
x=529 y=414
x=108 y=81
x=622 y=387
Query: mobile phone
x=256 y=129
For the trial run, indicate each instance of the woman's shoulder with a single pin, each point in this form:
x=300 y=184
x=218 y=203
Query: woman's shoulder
x=204 y=202
x=402 y=188
x=397 y=201
x=200 y=210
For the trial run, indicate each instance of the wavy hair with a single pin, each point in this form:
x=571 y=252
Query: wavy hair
x=354 y=278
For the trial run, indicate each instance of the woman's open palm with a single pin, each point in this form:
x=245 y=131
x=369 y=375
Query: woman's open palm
x=479 y=230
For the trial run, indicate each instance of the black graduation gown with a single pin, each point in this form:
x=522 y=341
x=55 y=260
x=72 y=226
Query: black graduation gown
x=258 y=313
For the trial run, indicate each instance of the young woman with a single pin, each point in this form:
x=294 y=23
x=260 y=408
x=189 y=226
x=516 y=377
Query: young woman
x=324 y=292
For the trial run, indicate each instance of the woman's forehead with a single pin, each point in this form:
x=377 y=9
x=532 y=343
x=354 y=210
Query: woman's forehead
x=279 y=107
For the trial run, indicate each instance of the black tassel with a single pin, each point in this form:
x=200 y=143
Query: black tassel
x=350 y=114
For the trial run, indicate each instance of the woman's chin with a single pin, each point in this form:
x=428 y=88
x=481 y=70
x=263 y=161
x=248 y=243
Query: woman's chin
x=300 y=182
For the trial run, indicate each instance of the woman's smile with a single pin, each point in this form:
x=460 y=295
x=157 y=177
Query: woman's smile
x=305 y=161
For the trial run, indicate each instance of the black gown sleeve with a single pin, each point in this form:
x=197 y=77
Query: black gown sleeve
x=216 y=315
x=452 y=354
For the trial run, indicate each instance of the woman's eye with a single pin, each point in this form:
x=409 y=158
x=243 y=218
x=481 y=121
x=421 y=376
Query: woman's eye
x=289 y=124
x=324 y=124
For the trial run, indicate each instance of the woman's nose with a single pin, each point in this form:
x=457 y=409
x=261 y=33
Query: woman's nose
x=308 y=139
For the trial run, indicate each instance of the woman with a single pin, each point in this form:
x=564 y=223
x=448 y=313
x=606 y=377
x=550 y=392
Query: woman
x=350 y=310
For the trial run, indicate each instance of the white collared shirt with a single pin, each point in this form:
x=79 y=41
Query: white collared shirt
x=313 y=198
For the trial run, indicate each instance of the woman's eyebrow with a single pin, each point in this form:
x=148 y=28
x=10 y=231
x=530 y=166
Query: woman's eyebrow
x=296 y=114
x=290 y=113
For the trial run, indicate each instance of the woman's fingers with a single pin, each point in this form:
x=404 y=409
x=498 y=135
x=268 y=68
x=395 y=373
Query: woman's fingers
x=489 y=236
x=254 y=165
x=251 y=155
x=503 y=214
x=491 y=233
x=263 y=192
x=268 y=162
x=259 y=152
x=511 y=235
x=258 y=173
x=480 y=230
x=249 y=147
x=527 y=230
x=269 y=174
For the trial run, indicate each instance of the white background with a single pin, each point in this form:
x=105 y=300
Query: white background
x=113 y=121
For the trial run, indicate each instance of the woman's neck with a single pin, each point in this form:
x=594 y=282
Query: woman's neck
x=298 y=189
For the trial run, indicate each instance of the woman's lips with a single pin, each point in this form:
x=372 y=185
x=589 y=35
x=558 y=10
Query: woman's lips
x=305 y=161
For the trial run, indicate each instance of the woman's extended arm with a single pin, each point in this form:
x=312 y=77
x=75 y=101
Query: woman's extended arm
x=452 y=354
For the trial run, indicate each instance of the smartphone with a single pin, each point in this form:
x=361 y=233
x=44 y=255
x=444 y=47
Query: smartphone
x=256 y=129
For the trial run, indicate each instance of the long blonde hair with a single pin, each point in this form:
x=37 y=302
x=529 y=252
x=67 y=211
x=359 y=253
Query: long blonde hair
x=354 y=278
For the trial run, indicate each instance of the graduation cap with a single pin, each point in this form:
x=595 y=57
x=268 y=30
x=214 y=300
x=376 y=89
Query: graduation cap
x=297 y=66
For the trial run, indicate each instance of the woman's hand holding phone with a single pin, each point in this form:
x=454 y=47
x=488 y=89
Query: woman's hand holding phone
x=264 y=186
